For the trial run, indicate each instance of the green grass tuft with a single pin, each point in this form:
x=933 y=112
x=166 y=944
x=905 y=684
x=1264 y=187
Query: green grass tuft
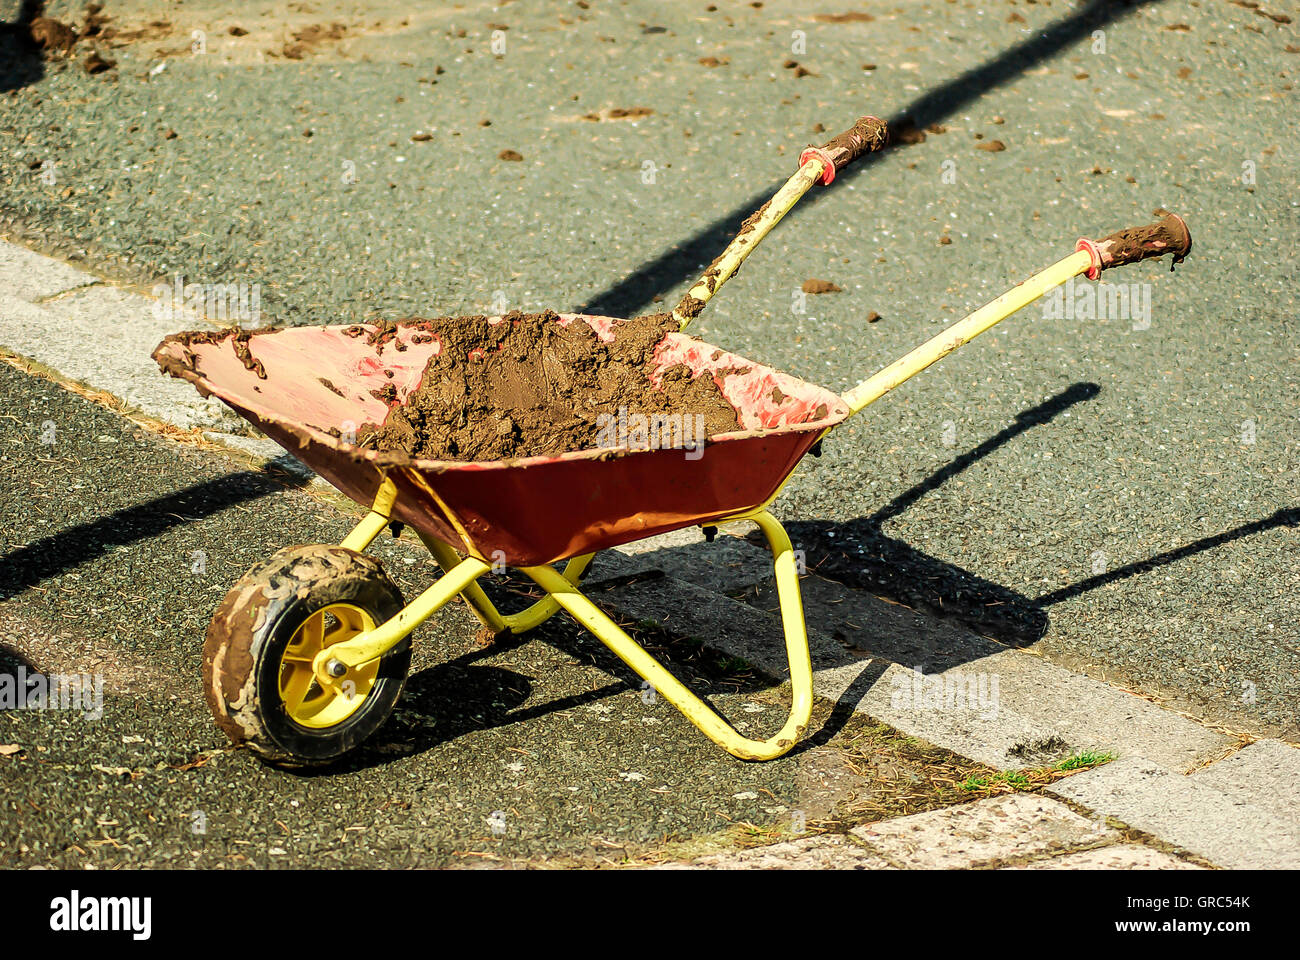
x=1009 y=781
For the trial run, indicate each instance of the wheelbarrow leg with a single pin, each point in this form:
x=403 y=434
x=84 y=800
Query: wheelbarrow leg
x=373 y=523
x=568 y=596
x=486 y=610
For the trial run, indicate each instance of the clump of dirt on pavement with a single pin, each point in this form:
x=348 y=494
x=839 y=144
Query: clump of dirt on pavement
x=52 y=35
x=533 y=387
x=306 y=40
x=56 y=38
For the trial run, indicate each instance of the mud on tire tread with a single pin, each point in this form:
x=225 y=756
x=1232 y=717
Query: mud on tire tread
x=255 y=622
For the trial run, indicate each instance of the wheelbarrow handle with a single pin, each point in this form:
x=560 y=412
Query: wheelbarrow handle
x=1167 y=235
x=868 y=135
x=816 y=164
x=1090 y=257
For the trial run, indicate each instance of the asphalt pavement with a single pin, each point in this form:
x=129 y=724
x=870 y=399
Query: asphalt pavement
x=118 y=545
x=1116 y=494
x=1143 y=530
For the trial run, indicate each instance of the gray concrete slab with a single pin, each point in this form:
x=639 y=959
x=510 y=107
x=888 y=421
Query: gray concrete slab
x=1097 y=716
x=102 y=336
x=813 y=853
x=1224 y=829
x=1266 y=774
x=31 y=276
x=983 y=833
x=1121 y=856
x=985 y=731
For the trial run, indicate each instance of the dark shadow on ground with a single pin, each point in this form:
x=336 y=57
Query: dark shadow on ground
x=1286 y=517
x=684 y=260
x=464 y=695
x=858 y=554
x=21 y=60
x=50 y=556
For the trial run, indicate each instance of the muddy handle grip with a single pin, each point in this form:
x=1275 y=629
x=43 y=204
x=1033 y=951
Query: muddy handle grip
x=1169 y=235
x=868 y=135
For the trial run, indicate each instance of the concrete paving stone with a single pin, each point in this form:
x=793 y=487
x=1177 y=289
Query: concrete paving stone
x=103 y=336
x=1265 y=773
x=736 y=628
x=31 y=276
x=1097 y=716
x=1083 y=712
x=999 y=737
x=1122 y=856
x=813 y=853
x=727 y=565
x=881 y=690
x=1225 y=829
x=982 y=833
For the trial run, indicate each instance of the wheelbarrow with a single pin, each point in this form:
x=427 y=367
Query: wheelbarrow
x=308 y=653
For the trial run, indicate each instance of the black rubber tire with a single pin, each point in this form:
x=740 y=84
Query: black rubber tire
x=255 y=623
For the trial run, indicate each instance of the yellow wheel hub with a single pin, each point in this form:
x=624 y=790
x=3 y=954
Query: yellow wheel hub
x=307 y=702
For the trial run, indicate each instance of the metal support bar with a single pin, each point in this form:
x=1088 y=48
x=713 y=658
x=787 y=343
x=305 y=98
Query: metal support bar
x=373 y=644
x=486 y=610
x=673 y=690
x=372 y=525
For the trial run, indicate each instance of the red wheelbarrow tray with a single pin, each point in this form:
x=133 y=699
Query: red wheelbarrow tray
x=523 y=512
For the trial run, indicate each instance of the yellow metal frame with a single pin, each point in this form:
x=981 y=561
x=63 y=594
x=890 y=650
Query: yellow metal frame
x=963 y=331
x=336 y=663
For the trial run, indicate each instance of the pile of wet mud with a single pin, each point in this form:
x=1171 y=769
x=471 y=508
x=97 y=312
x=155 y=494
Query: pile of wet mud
x=531 y=386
